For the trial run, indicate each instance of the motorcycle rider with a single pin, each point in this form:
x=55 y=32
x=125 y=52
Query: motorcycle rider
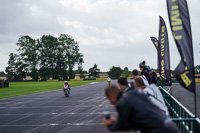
x=66 y=83
x=109 y=80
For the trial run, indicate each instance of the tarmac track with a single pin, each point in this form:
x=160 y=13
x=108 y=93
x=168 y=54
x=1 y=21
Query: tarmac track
x=82 y=112
x=51 y=112
x=186 y=97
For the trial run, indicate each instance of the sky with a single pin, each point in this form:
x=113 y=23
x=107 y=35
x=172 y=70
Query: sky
x=109 y=32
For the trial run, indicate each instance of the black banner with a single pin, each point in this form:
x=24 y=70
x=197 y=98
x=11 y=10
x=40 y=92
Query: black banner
x=157 y=45
x=180 y=25
x=155 y=42
x=164 y=62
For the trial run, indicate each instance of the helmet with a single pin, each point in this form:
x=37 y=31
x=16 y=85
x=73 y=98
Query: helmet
x=142 y=64
x=66 y=82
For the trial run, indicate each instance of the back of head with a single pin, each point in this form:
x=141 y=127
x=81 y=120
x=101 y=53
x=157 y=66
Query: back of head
x=112 y=90
x=123 y=81
x=135 y=72
x=142 y=64
x=139 y=82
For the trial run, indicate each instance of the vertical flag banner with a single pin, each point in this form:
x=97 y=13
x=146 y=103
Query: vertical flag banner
x=155 y=42
x=157 y=45
x=164 y=61
x=180 y=25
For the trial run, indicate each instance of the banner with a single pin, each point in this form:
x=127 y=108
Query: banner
x=155 y=42
x=157 y=45
x=180 y=25
x=164 y=60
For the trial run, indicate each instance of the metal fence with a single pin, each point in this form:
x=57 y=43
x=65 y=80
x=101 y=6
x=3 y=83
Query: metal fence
x=184 y=119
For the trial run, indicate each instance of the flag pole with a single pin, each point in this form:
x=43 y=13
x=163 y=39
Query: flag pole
x=195 y=104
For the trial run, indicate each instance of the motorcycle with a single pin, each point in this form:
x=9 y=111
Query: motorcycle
x=66 y=90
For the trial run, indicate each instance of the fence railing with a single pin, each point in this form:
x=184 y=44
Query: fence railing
x=184 y=119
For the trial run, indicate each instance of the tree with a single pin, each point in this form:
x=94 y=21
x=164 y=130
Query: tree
x=94 y=71
x=115 y=72
x=2 y=73
x=46 y=57
x=58 y=56
x=70 y=52
x=16 y=68
x=10 y=69
x=80 y=68
x=48 y=46
x=126 y=73
x=28 y=52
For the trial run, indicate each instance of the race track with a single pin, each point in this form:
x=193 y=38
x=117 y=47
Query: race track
x=187 y=98
x=51 y=112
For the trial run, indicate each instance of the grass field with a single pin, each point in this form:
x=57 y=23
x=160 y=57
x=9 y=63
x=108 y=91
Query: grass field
x=24 y=88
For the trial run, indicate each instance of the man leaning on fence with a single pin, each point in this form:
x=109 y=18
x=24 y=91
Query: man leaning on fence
x=154 y=94
x=135 y=111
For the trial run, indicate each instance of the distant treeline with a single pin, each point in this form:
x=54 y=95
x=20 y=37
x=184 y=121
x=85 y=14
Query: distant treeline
x=45 y=57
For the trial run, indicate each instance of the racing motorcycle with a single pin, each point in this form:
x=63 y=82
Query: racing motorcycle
x=66 y=90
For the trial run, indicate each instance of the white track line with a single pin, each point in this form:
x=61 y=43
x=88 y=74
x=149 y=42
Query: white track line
x=55 y=124
x=89 y=113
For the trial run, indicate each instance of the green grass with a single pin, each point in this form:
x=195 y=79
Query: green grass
x=24 y=88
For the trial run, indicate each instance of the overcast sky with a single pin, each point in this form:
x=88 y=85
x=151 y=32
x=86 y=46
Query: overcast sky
x=109 y=32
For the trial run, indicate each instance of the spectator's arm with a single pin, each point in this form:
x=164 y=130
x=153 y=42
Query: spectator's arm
x=123 y=123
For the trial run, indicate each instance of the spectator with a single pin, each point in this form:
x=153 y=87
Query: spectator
x=124 y=85
x=145 y=71
x=153 y=76
x=153 y=93
x=150 y=72
x=135 y=111
x=135 y=74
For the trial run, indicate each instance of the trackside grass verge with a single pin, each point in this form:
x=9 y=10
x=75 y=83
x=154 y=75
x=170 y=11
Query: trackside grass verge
x=24 y=88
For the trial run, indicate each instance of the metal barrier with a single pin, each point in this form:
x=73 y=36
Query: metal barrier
x=184 y=119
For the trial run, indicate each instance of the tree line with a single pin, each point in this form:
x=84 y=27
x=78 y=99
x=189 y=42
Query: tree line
x=45 y=57
x=49 y=56
x=114 y=72
x=52 y=57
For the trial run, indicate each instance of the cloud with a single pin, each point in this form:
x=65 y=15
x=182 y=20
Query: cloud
x=109 y=32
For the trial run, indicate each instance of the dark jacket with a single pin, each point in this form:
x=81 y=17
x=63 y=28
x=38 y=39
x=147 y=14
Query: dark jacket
x=154 y=77
x=145 y=72
x=135 y=111
x=130 y=86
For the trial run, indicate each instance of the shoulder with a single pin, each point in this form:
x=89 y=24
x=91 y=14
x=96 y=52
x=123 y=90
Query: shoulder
x=148 y=90
x=153 y=87
x=125 y=98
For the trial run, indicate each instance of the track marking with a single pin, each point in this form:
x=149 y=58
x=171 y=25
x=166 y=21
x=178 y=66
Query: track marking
x=55 y=124
x=93 y=83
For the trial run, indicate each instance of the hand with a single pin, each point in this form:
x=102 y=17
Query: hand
x=110 y=121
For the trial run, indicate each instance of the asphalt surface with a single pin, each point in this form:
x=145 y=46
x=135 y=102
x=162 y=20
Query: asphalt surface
x=186 y=97
x=82 y=112
x=51 y=112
